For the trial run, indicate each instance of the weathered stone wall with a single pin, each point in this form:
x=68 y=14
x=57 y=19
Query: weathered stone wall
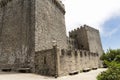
x=17 y=34
x=29 y=26
x=50 y=25
x=80 y=37
x=71 y=43
x=57 y=62
x=45 y=62
x=87 y=38
x=94 y=40
x=28 y=31
x=76 y=60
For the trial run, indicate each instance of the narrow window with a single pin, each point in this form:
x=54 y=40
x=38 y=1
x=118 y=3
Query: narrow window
x=76 y=54
x=44 y=60
x=63 y=52
x=85 y=54
x=81 y=54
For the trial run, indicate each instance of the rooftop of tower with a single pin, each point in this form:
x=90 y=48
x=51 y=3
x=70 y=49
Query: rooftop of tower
x=60 y=5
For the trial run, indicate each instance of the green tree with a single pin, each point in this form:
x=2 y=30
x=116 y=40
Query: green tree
x=112 y=59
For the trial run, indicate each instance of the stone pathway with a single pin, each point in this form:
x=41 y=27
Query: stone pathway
x=21 y=76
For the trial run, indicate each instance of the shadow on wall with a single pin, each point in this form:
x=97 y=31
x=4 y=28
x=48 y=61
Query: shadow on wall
x=59 y=62
x=72 y=61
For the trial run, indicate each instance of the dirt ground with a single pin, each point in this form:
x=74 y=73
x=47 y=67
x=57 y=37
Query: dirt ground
x=23 y=76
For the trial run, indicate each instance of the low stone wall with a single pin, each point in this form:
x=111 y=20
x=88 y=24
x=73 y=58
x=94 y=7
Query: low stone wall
x=57 y=62
x=76 y=60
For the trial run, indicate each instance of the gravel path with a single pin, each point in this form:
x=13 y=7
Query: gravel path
x=20 y=76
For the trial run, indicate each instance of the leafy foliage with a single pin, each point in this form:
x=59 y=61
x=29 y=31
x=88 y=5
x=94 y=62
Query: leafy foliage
x=112 y=59
x=111 y=55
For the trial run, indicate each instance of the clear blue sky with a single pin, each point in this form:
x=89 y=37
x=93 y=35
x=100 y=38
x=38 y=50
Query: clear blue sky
x=111 y=36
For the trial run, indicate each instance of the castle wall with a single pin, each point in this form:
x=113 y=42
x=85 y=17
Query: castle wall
x=16 y=33
x=94 y=41
x=45 y=62
x=87 y=38
x=57 y=62
x=33 y=35
x=71 y=43
x=80 y=37
x=72 y=61
x=50 y=25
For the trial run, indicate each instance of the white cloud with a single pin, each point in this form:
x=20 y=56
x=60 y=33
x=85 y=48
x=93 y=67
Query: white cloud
x=91 y=12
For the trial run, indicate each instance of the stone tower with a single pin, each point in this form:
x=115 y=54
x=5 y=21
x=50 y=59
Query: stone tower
x=27 y=27
x=87 y=38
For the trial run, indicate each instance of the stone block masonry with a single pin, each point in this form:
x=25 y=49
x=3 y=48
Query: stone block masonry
x=3 y=3
x=50 y=25
x=87 y=38
x=29 y=26
x=74 y=61
x=17 y=34
x=61 y=62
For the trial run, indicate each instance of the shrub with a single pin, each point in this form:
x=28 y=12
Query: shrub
x=112 y=60
x=117 y=58
x=113 y=72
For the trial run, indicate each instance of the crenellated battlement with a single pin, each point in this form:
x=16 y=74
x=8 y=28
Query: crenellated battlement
x=60 y=5
x=77 y=60
x=83 y=27
x=76 y=30
x=69 y=60
x=78 y=53
x=90 y=28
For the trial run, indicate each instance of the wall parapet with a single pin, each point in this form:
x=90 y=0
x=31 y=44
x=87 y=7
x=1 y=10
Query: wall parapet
x=77 y=60
x=76 y=52
x=60 y=5
x=85 y=27
x=60 y=62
